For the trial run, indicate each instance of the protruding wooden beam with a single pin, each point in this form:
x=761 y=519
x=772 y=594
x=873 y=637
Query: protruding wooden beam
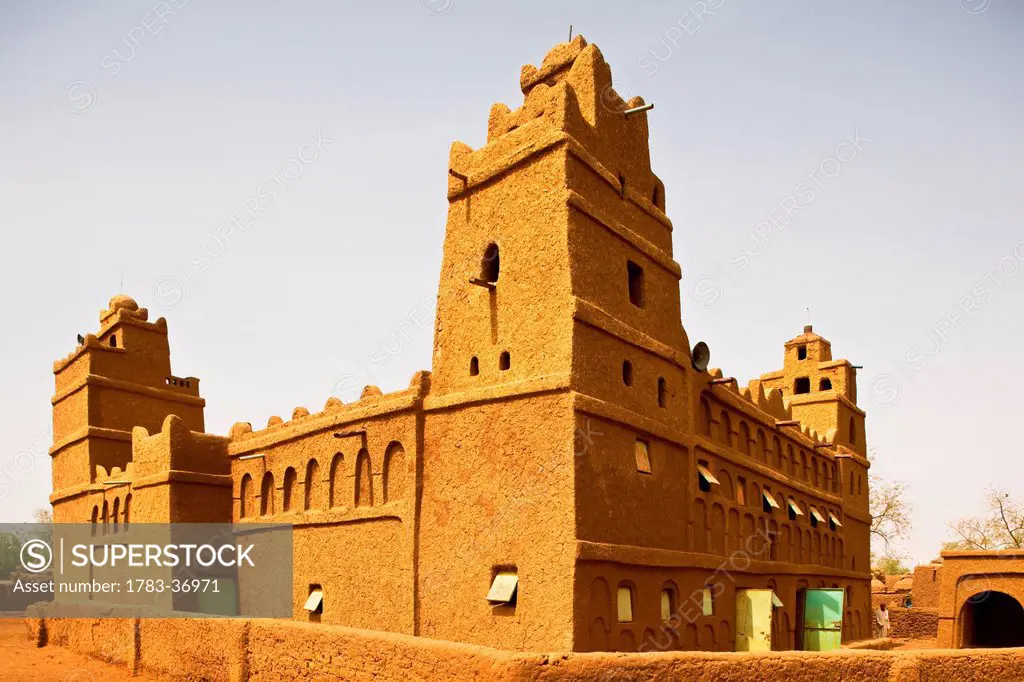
x=481 y=282
x=637 y=110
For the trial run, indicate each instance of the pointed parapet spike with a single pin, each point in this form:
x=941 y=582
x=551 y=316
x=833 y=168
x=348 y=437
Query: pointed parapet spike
x=370 y=391
x=333 y=404
x=560 y=57
x=715 y=373
x=240 y=430
x=274 y=421
x=299 y=412
x=774 y=405
x=497 y=124
x=421 y=380
x=175 y=427
x=139 y=434
x=458 y=164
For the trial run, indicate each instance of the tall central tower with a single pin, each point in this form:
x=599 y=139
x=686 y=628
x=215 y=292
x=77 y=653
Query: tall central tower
x=558 y=349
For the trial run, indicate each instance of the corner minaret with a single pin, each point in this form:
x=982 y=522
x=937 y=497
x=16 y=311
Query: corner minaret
x=116 y=379
x=820 y=391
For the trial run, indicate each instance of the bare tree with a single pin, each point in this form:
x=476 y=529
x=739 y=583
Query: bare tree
x=1001 y=528
x=890 y=511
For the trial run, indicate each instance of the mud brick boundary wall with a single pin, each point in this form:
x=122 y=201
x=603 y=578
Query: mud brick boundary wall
x=263 y=650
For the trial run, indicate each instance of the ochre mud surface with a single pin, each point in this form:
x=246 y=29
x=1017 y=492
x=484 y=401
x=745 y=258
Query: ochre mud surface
x=22 y=661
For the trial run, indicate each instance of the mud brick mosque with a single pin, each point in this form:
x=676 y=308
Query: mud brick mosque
x=568 y=476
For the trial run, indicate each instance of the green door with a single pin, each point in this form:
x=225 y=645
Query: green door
x=823 y=619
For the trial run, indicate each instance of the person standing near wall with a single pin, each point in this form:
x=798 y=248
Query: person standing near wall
x=882 y=621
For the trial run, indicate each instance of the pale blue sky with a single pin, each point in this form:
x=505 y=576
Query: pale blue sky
x=129 y=139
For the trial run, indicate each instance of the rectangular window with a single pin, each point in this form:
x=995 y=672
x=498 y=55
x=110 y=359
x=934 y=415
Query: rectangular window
x=625 y=604
x=504 y=588
x=643 y=456
x=741 y=491
x=315 y=602
x=801 y=352
x=707 y=479
x=707 y=603
x=668 y=603
x=802 y=385
x=816 y=517
x=635 y=273
x=833 y=521
x=794 y=509
x=770 y=502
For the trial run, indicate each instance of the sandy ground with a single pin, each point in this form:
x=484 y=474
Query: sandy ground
x=927 y=643
x=22 y=661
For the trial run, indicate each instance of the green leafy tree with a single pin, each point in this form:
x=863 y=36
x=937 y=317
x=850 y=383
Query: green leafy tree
x=890 y=564
x=10 y=554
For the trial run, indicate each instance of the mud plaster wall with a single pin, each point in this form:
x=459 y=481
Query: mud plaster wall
x=520 y=481
x=688 y=629
x=263 y=651
x=913 y=623
x=527 y=314
x=351 y=503
x=968 y=573
x=927 y=585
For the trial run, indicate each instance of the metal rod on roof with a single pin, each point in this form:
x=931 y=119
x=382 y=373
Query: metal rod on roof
x=723 y=380
x=346 y=434
x=116 y=482
x=824 y=445
x=637 y=110
x=791 y=422
x=252 y=456
x=857 y=366
x=457 y=174
x=570 y=33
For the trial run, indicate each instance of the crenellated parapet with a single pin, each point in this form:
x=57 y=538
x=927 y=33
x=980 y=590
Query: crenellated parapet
x=371 y=401
x=180 y=475
x=177 y=448
x=568 y=99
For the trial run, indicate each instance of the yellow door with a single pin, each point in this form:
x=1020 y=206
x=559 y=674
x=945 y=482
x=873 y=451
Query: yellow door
x=753 y=620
